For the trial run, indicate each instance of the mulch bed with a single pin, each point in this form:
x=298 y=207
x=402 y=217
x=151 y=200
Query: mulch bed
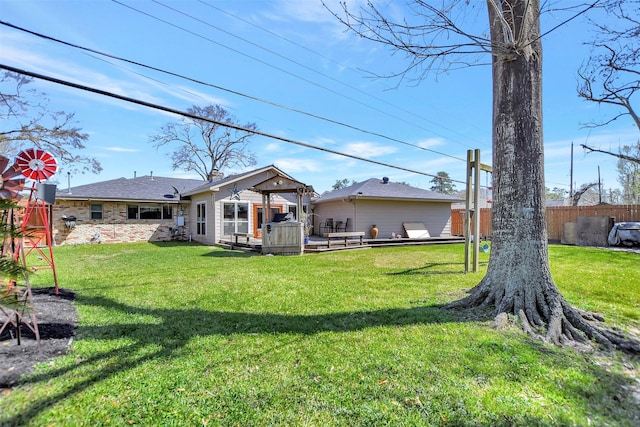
x=57 y=321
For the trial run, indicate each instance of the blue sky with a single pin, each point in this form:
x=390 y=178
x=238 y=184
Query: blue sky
x=292 y=53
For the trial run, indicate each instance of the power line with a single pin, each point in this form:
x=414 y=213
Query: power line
x=335 y=92
x=403 y=110
x=206 y=119
x=139 y=64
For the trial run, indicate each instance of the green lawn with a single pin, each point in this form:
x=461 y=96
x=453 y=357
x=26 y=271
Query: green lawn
x=181 y=334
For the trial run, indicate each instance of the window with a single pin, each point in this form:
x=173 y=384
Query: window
x=149 y=212
x=235 y=218
x=167 y=212
x=95 y=211
x=132 y=212
x=201 y=219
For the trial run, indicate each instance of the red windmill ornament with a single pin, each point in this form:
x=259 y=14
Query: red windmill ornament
x=11 y=180
x=38 y=165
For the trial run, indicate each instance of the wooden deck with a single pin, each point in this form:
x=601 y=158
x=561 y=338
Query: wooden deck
x=321 y=244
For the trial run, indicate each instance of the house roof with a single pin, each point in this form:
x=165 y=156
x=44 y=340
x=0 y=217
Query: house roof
x=216 y=184
x=383 y=189
x=144 y=188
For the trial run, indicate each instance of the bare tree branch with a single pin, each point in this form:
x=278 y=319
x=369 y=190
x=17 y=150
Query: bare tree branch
x=618 y=155
x=28 y=122
x=611 y=76
x=578 y=194
x=205 y=147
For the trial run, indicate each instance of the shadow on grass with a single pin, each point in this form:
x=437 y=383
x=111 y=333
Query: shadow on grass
x=435 y=268
x=231 y=254
x=177 y=243
x=178 y=326
x=174 y=328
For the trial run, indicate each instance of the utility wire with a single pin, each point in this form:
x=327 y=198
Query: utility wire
x=283 y=70
x=315 y=116
x=308 y=68
x=206 y=119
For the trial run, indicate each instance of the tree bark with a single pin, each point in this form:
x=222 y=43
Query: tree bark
x=518 y=280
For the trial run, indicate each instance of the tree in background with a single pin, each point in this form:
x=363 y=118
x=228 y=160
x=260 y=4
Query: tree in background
x=442 y=183
x=629 y=173
x=342 y=183
x=206 y=146
x=556 y=194
x=434 y=37
x=27 y=122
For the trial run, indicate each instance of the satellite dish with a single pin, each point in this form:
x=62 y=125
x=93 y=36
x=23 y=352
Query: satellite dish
x=37 y=164
x=11 y=180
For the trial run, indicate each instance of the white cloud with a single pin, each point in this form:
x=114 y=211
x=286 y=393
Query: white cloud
x=272 y=147
x=430 y=142
x=122 y=149
x=33 y=57
x=368 y=150
x=298 y=165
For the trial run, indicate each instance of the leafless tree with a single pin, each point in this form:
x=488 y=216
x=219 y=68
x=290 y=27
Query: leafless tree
x=628 y=170
x=584 y=189
x=203 y=146
x=611 y=75
x=518 y=280
x=27 y=122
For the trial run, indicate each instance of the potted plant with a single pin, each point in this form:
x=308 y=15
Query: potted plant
x=308 y=226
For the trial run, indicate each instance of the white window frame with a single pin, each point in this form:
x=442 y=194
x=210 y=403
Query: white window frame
x=237 y=224
x=201 y=219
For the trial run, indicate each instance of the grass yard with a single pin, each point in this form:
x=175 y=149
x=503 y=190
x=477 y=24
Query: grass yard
x=182 y=334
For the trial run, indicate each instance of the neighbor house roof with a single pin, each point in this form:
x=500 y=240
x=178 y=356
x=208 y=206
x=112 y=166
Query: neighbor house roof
x=146 y=188
x=383 y=189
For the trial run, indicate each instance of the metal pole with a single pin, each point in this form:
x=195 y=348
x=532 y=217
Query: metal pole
x=571 y=175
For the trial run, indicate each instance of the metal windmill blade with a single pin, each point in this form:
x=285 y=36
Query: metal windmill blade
x=11 y=180
x=37 y=164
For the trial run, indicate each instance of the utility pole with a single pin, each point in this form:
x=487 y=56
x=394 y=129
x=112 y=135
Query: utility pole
x=599 y=187
x=571 y=175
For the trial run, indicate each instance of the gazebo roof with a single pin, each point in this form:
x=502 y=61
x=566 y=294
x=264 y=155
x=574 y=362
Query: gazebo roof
x=281 y=184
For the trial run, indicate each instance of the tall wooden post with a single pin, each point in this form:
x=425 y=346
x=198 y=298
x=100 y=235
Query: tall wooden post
x=472 y=211
x=467 y=212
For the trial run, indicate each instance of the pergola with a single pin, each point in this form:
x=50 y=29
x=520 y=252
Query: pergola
x=281 y=184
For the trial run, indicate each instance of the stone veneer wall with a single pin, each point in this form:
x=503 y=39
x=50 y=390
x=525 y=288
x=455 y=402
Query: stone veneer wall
x=114 y=227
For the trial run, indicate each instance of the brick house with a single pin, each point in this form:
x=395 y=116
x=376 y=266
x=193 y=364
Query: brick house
x=145 y=208
x=152 y=208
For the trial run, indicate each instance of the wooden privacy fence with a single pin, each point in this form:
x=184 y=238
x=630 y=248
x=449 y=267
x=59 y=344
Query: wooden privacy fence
x=556 y=217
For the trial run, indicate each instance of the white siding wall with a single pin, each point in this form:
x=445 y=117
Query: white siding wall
x=387 y=215
x=209 y=237
x=338 y=210
x=215 y=202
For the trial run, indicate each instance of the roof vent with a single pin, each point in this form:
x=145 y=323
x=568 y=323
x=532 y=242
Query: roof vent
x=385 y=179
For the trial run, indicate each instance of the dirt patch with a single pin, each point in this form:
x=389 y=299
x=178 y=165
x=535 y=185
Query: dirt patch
x=57 y=321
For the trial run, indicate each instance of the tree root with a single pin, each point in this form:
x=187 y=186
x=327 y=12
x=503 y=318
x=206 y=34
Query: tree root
x=544 y=314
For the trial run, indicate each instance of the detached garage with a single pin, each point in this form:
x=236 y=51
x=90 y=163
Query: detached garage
x=393 y=208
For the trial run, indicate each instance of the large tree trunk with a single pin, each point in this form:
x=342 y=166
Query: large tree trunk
x=518 y=280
